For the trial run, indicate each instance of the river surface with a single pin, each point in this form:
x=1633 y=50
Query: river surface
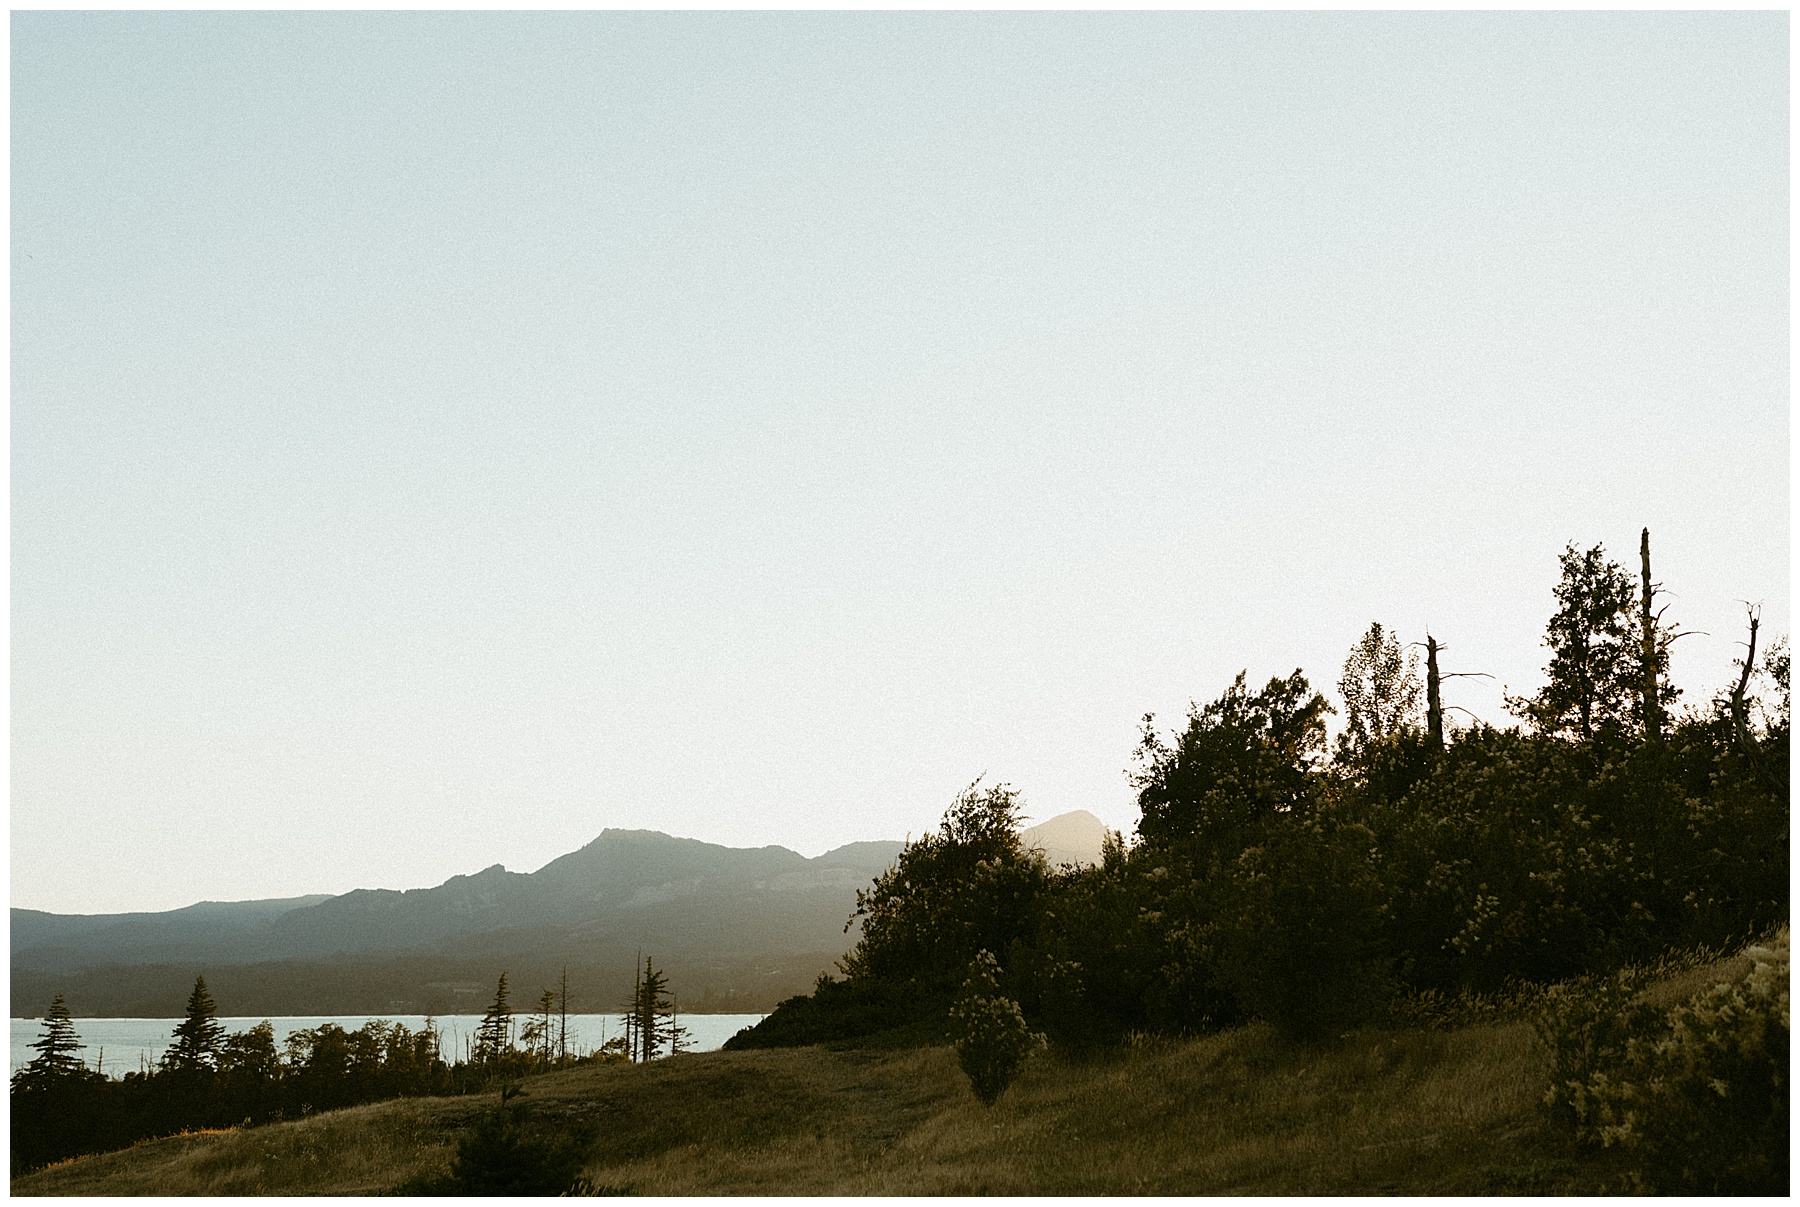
x=124 y=1045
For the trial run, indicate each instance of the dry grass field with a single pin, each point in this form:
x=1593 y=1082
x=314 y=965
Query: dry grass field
x=1242 y=1112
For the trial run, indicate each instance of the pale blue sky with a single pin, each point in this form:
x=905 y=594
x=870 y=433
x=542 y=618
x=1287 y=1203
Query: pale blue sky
x=436 y=438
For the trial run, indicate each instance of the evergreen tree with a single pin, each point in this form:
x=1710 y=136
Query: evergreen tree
x=650 y=1014
x=199 y=1036
x=493 y=1038
x=56 y=1047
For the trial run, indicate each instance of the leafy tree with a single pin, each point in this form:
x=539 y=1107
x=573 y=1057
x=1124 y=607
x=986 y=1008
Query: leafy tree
x=56 y=1047
x=251 y=1054
x=493 y=1038
x=1242 y=759
x=971 y=885
x=199 y=1036
x=1595 y=670
x=1381 y=693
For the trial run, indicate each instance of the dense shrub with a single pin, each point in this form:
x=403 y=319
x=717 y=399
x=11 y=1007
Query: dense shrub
x=510 y=1153
x=1095 y=971
x=1296 y=929
x=989 y=1030
x=1587 y=1024
x=1696 y=1097
x=853 y=1012
x=1500 y=867
x=1450 y=879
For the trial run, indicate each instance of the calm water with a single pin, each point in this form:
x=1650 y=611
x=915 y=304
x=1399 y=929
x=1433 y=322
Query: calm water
x=127 y=1044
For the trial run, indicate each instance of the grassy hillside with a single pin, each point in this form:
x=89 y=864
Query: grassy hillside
x=1384 y=1112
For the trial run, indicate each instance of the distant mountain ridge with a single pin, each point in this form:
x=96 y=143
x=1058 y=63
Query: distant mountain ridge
x=620 y=872
x=695 y=904
x=1075 y=837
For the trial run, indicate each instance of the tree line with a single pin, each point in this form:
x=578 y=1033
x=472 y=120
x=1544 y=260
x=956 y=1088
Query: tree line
x=209 y=1078
x=1313 y=884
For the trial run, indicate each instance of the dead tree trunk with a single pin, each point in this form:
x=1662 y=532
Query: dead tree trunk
x=1650 y=687
x=1740 y=712
x=1434 y=698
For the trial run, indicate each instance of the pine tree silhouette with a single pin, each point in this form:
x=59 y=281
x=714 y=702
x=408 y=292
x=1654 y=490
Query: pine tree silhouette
x=56 y=1048
x=199 y=1035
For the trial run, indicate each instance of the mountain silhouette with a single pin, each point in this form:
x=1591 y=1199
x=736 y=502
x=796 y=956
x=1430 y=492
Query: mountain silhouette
x=760 y=921
x=1075 y=837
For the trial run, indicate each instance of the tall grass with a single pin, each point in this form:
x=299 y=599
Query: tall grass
x=1414 y=1111
x=360 y=1150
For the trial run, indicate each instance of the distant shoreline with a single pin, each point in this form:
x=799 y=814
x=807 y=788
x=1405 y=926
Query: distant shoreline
x=175 y=1018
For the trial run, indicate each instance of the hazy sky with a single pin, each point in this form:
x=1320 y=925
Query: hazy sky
x=436 y=438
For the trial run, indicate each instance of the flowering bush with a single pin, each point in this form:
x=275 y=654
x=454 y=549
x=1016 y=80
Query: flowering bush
x=1587 y=1024
x=992 y=1039
x=1697 y=1096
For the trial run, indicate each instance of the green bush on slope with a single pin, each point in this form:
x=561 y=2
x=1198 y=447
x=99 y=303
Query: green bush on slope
x=1696 y=1097
x=991 y=1036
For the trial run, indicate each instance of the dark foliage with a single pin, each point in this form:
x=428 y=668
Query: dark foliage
x=858 y=1012
x=1295 y=932
x=1268 y=883
x=56 y=1047
x=989 y=1030
x=1242 y=759
x=197 y=1039
x=253 y=1081
x=510 y=1153
x=1694 y=1098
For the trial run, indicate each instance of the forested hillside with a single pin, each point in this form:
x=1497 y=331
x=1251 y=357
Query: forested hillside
x=1320 y=886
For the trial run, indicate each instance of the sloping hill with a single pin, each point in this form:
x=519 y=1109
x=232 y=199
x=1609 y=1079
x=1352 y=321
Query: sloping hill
x=1386 y=1112
x=209 y=927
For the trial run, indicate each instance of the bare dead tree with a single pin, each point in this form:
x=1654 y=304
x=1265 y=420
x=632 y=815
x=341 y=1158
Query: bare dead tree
x=562 y=1001
x=1647 y=660
x=1434 y=696
x=1434 y=691
x=1653 y=649
x=1740 y=713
